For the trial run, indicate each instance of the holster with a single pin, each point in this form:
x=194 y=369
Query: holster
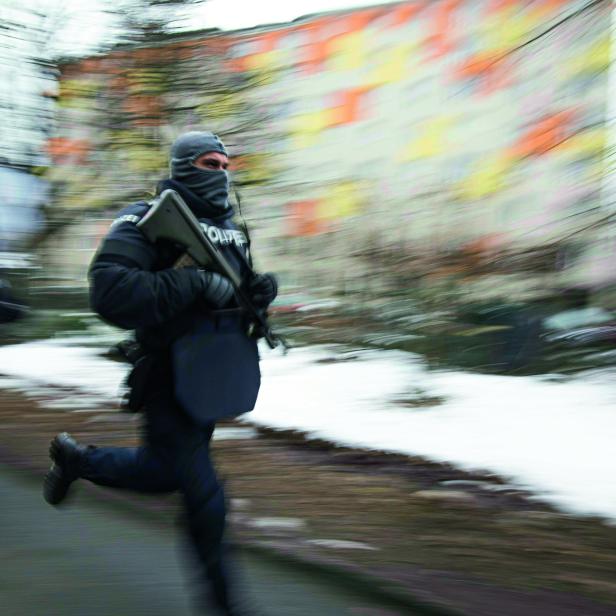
x=137 y=381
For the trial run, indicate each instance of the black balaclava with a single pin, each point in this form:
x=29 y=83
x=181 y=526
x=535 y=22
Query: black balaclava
x=211 y=186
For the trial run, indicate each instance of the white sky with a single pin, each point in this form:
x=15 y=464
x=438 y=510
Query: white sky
x=87 y=22
x=234 y=14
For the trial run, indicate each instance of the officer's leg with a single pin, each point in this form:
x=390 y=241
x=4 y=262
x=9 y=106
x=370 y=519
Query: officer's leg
x=136 y=468
x=205 y=519
x=142 y=469
x=149 y=468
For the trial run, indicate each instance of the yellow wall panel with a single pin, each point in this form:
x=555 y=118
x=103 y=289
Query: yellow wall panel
x=432 y=141
x=489 y=177
x=342 y=200
x=348 y=52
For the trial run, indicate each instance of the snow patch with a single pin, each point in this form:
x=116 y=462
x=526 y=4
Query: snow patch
x=549 y=435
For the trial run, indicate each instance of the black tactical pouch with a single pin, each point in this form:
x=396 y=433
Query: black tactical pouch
x=137 y=384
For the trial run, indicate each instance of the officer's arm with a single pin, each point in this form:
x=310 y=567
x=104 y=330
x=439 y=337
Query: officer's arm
x=124 y=290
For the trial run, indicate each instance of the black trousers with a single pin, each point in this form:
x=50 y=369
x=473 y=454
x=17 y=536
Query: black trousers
x=175 y=455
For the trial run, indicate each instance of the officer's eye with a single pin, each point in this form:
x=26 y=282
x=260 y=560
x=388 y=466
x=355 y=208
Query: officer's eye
x=213 y=164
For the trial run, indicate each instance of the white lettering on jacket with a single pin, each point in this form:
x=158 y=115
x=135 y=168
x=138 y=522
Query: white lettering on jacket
x=126 y=218
x=224 y=236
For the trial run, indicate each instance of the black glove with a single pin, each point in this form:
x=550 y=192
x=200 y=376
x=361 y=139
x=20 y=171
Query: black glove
x=263 y=289
x=217 y=289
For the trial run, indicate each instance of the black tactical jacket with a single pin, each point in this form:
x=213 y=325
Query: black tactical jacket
x=133 y=284
x=215 y=364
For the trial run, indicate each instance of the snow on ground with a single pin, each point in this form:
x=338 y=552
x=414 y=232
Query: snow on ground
x=554 y=437
x=64 y=363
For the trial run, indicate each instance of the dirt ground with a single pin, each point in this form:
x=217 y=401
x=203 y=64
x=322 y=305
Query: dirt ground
x=466 y=542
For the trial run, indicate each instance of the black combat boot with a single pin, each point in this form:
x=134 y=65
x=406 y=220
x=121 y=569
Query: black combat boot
x=67 y=457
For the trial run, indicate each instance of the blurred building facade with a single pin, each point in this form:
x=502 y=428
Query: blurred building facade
x=29 y=86
x=22 y=197
x=410 y=141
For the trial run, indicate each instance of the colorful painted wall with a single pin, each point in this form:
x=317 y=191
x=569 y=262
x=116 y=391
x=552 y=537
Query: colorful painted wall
x=432 y=124
x=478 y=117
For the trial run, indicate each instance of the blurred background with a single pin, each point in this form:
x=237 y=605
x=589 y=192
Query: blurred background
x=400 y=161
x=431 y=180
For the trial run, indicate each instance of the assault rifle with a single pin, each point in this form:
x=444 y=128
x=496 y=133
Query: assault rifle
x=169 y=218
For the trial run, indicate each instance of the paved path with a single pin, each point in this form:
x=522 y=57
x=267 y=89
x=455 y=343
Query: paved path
x=89 y=560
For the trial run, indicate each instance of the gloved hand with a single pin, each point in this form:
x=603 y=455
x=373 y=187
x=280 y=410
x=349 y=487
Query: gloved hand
x=263 y=289
x=217 y=289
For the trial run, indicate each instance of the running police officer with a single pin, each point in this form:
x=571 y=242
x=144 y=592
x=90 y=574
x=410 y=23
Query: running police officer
x=188 y=325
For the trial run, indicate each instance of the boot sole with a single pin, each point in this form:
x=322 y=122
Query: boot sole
x=55 y=486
